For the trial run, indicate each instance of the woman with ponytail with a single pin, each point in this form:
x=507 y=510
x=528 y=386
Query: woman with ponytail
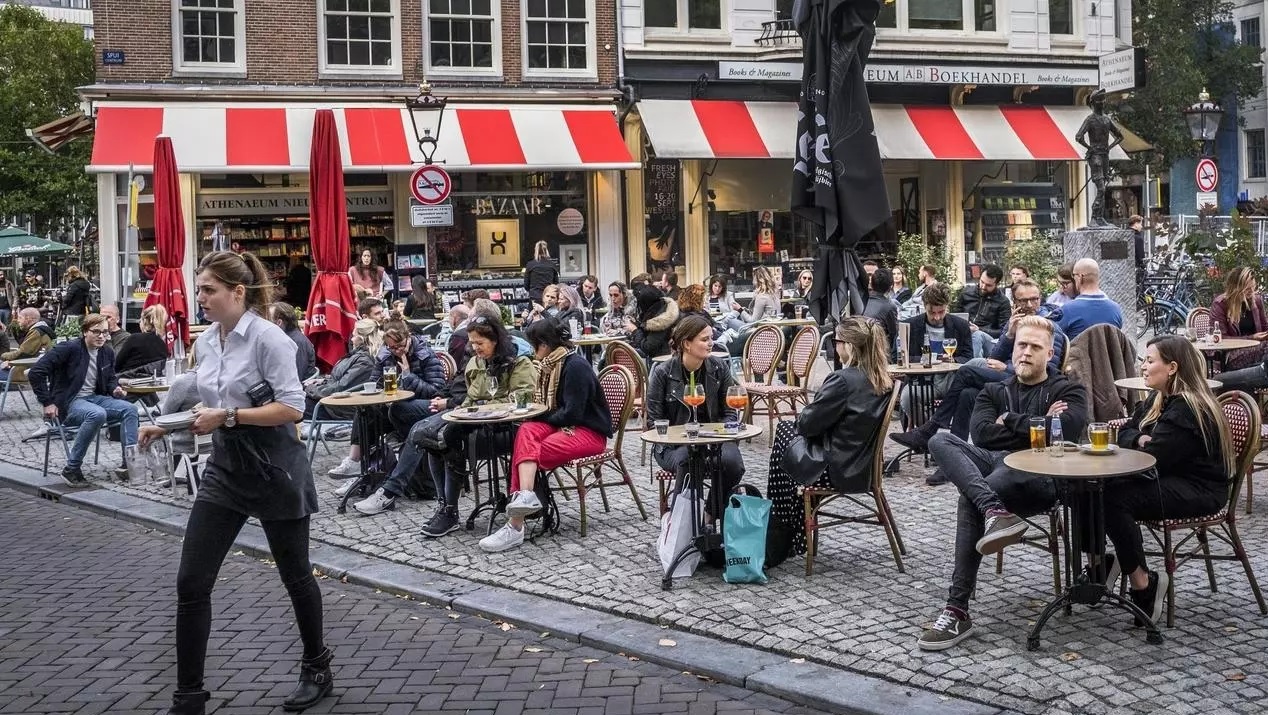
x=576 y=425
x=1182 y=426
x=833 y=440
x=252 y=399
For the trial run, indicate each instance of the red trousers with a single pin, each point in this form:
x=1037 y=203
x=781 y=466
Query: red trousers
x=551 y=447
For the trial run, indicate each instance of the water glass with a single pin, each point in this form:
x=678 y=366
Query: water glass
x=521 y=400
x=662 y=427
x=692 y=430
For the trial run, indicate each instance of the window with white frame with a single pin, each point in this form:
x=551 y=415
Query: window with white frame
x=1060 y=17
x=682 y=15
x=558 y=37
x=209 y=35
x=949 y=15
x=1256 y=156
x=464 y=36
x=1250 y=32
x=360 y=36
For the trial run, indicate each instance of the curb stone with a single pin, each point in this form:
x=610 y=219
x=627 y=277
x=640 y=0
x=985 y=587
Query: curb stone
x=805 y=683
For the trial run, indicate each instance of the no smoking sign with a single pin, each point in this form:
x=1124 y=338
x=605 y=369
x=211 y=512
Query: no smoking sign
x=1207 y=174
x=430 y=184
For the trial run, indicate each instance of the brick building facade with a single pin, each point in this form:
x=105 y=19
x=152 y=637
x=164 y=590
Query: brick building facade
x=532 y=106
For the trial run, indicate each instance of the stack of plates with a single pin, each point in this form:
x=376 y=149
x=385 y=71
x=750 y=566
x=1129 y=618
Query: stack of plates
x=176 y=420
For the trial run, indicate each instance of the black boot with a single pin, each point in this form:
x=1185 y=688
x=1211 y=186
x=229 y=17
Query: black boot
x=189 y=702
x=315 y=683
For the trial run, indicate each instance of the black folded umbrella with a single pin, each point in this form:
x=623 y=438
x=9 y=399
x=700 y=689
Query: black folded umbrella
x=838 y=182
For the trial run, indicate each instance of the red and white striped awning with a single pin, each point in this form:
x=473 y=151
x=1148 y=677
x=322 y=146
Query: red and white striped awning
x=720 y=129
x=257 y=138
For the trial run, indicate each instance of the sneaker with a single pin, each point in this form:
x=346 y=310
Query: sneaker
x=121 y=474
x=444 y=521
x=504 y=539
x=74 y=477
x=37 y=434
x=938 y=477
x=1153 y=597
x=945 y=632
x=376 y=503
x=349 y=467
x=1002 y=529
x=523 y=503
x=346 y=488
x=917 y=440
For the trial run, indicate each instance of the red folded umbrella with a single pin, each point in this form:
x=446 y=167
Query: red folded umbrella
x=332 y=304
x=168 y=286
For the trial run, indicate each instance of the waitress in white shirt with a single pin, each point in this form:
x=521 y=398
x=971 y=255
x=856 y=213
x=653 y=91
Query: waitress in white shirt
x=252 y=397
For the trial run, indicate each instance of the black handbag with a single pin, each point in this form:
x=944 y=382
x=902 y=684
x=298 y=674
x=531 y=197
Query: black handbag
x=805 y=460
x=432 y=434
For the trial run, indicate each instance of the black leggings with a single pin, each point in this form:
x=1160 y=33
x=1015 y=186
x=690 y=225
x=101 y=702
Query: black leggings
x=208 y=538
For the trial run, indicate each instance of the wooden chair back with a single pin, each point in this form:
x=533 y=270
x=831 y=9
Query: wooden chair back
x=626 y=356
x=451 y=367
x=762 y=353
x=617 y=385
x=1241 y=414
x=1198 y=321
x=801 y=355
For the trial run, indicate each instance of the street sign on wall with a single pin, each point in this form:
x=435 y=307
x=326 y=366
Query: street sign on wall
x=430 y=184
x=1206 y=174
x=1122 y=71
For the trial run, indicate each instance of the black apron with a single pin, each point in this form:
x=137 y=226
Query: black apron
x=261 y=472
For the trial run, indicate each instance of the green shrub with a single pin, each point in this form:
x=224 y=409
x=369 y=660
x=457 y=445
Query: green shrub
x=914 y=251
x=1040 y=255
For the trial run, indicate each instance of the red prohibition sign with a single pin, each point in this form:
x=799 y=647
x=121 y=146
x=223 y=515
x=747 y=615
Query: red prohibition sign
x=430 y=184
x=1207 y=174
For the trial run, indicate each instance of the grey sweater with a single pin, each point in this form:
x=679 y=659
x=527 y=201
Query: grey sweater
x=182 y=396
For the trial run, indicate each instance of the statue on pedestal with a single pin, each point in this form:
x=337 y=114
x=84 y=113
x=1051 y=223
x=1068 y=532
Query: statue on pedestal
x=1098 y=135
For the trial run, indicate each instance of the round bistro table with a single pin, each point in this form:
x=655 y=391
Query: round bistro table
x=484 y=431
x=1081 y=483
x=363 y=402
x=922 y=382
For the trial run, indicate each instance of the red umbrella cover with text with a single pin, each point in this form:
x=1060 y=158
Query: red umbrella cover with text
x=332 y=304
x=168 y=286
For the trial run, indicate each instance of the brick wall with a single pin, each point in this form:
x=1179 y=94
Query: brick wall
x=281 y=44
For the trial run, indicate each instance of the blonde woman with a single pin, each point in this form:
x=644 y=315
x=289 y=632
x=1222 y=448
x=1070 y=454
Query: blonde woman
x=540 y=272
x=832 y=442
x=548 y=305
x=146 y=352
x=1183 y=427
x=766 y=300
x=1239 y=311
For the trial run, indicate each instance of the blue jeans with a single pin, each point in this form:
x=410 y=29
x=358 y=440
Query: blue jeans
x=90 y=414
x=982 y=344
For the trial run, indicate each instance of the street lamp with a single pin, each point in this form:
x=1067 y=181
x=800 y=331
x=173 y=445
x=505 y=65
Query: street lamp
x=1204 y=117
x=426 y=111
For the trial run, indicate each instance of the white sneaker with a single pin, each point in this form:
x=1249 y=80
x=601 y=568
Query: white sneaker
x=349 y=467
x=523 y=503
x=504 y=539
x=346 y=487
x=376 y=503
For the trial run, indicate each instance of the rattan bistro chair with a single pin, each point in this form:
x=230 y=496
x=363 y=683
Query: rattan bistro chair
x=1199 y=321
x=876 y=513
x=777 y=401
x=1244 y=422
x=582 y=475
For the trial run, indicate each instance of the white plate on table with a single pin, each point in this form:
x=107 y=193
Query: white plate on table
x=176 y=420
x=482 y=413
x=1087 y=449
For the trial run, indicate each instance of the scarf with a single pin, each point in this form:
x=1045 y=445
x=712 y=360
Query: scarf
x=548 y=375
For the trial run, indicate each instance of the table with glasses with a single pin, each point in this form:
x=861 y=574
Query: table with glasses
x=703 y=455
x=485 y=422
x=1081 y=478
x=922 y=381
x=1215 y=352
x=363 y=402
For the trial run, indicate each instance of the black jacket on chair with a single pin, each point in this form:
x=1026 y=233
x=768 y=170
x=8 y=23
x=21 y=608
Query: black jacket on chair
x=846 y=418
x=57 y=377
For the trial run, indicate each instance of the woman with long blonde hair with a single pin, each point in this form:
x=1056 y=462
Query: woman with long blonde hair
x=765 y=298
x=834 y=439
x=1239 y=311
x=1182 y=426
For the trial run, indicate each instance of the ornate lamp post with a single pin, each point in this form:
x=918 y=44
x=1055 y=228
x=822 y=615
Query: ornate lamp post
x=1204 y=118
x=426 y=112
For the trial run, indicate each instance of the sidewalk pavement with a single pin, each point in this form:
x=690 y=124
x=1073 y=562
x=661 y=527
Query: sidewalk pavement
x=856 y=616
x=69 y=648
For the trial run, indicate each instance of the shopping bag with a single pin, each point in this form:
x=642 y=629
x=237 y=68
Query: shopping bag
x=675 y=535
x=744 y=538
x=819 y=371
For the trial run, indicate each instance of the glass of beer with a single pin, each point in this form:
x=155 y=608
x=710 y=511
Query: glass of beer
x=389 y=380
x=948 y=346
x=1038 y=434
x=1098 y=435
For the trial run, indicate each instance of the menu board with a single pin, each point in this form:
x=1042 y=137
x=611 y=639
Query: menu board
x=662 y=195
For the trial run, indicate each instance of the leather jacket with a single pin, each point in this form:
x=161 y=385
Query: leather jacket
x=845 y=417
x=666 y=386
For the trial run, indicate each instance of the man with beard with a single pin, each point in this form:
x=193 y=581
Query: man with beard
x=957 y=404
x=993 y=497
x=987 y=307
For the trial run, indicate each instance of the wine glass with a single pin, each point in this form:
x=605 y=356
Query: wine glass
x=737 y=399
x=948 y=346
x=693 y=396
x=493 y=387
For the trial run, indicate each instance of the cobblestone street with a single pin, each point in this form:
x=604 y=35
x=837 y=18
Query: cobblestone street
x=86 y=613
x=856 y=612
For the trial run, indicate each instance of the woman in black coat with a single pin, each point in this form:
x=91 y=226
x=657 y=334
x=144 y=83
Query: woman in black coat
x=78 y=296
x=833 y=441
x=145 y=353
x=657 y=314
x=540 y=272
